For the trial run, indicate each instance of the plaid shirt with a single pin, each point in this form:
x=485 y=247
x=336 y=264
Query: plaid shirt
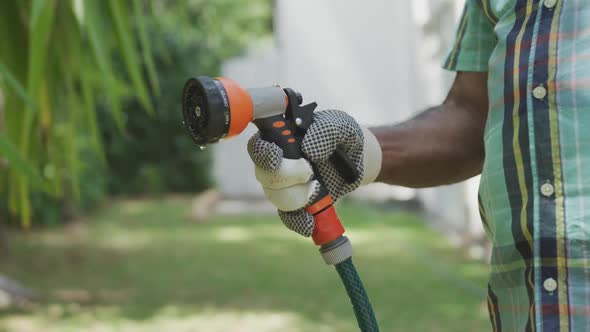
x=535 y=185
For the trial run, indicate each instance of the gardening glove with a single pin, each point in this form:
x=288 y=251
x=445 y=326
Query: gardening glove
x=288 y=183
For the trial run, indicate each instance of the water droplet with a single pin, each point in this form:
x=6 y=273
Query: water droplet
x=202 y=147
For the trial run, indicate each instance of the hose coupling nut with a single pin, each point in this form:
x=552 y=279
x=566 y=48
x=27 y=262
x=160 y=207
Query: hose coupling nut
x=336 y=251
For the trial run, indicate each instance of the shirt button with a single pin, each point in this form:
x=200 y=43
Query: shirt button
x=540 y=92
x=550 y=284
x=547 y=189
x=550 y=3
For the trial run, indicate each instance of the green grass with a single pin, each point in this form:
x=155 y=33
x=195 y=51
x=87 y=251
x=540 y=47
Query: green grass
x=143 y=266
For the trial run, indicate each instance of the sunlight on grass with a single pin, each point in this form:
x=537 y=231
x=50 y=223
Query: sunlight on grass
x=168 y=318
x=246 y=232
x=134 y=207
x=127 y=241
x=233 y=234
x=380 y=242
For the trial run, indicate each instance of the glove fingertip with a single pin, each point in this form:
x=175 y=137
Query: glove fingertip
x=265 y=155
x=299 y=221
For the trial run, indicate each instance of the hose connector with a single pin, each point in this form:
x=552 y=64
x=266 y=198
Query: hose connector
x=336 y=251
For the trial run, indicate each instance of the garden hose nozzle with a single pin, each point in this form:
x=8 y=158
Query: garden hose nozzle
x=217 y=108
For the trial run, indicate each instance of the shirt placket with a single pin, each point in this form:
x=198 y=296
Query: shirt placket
x=547 y=255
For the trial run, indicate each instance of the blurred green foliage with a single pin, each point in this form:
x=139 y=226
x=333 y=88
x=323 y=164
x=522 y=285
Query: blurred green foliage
x=155 y=154
x=103 y=141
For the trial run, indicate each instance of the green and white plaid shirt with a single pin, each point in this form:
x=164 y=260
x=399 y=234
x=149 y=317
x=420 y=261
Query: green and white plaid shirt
x=535 y=185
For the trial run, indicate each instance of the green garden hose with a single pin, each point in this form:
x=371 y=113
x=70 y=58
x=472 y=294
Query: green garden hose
x=339 y=254
x=358 y=296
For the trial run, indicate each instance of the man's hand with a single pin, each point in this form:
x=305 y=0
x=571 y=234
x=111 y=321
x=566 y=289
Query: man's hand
x=288 y=183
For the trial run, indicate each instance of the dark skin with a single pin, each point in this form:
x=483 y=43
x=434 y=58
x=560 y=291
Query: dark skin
x=441 y=145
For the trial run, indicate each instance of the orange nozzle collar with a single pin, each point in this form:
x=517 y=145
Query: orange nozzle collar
x=241 y=108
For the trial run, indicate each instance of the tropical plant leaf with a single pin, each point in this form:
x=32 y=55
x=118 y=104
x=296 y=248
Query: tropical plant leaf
x=97 y=37
x=25 y=203
x=40 y=30
x=71 y=142
x=20 y=165
x=90 y=113
x=129 y=52
x=12 y=82
x=37 y=10
x=146 y=48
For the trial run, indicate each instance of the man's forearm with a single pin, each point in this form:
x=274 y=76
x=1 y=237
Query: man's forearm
x=440 y=146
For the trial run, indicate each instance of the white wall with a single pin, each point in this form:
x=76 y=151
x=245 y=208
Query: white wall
x=351 y=55
x=233 y=171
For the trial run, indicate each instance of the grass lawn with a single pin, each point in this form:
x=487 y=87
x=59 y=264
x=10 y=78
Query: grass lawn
x=141 y=265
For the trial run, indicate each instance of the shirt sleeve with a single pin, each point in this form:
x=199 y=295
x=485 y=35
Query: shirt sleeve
x=474 y=42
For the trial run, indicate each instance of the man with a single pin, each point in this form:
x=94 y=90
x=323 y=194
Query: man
x=519 y=113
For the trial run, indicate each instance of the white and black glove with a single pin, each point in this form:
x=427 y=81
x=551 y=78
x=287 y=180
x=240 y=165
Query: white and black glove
x=288 y=183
